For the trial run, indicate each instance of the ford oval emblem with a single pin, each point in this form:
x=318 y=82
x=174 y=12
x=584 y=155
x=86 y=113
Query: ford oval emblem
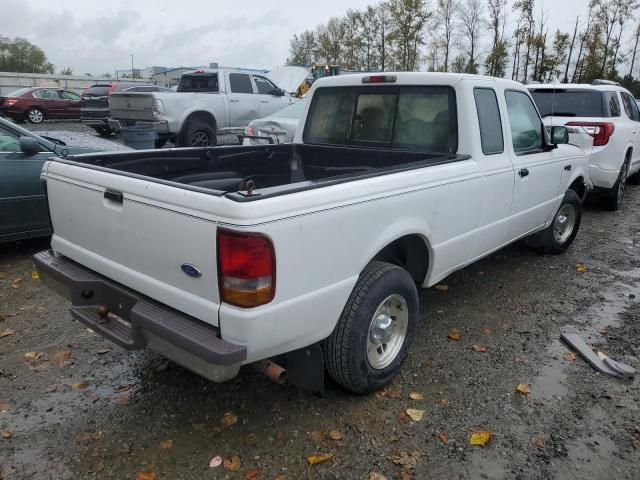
x=191 y=270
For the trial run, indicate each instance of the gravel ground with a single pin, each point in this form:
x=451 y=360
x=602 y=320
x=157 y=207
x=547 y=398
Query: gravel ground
x=101 y=412
x=78 y=135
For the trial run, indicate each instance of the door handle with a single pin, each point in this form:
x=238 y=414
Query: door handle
x=114 y=196
x=567 y=168
x=264 y=101
x=523 y=172
x=233 y=100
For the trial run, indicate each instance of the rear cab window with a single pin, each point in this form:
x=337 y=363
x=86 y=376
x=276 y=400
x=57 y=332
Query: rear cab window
x=199 y=82
x=97 y=91
x=564 y=102
x=420 y=118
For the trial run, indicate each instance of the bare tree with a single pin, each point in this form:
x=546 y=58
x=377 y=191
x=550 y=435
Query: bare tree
x=573 y=41
x=635 y=48
x=470 y=22
x=444 y=18
x=408 y=18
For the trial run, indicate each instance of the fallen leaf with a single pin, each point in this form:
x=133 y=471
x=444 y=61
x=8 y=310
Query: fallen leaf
x=390 y=393
x=315 y=436
x=232 y=463
x=444 y=402
x=4 y=407
x=569 y=356
x=319 y=458
x=376 y=476
x=122 y=400
x=253 y=474
x=88 y=436
x=32 y=356
x=443 y=287
x=122 y=388
x=7 y=333
x=102 y=351
x=415 y=415
x=406 y=459
x=487 y=331
x=443 y=437
x=537 y=442
x=35 y=275
x=167 y=444
x=455 y=334
x=479 y=348
x=580 y=268
x=2 y=319
x=251 y=439
x=335 y=435
x=481 y=438
x=523 y=388
x=61 y=356
x=6 y=434
x=416 y=396
x=228 y=419
x=198 y=426
x=163 y=366
x=281 y=436
x=147 y=475
x=402 y=417
x=636 y=443
x=406 y=475
x=16 y=283
x=80 y=385
x=215 y=462
x=51 y=388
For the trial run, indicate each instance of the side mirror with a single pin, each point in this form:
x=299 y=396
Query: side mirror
x=278 y=92
x=29 y=145
x=559 y=135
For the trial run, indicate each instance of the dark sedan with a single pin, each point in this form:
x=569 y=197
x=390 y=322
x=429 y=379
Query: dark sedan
x=39 y=104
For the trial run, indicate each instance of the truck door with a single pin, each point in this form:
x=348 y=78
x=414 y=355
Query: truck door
x=538 y=172
x=498 y=174
x=244 y=104
x=272 y=99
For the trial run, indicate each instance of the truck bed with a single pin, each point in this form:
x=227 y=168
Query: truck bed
x=249 y=173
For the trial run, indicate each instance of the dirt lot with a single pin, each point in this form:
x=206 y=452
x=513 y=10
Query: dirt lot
x=79 y=407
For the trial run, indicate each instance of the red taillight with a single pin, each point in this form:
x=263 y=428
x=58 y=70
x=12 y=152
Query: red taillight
x=112 y=89
x=246 y=268
x=379 y=79
x=250 y=131
x=600 y=131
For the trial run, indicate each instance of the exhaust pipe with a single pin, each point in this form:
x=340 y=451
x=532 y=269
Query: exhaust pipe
x=272 y=370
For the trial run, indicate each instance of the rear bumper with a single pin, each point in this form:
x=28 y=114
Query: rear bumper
x=601 y=178
x=136 y=321
x=161 y=126
x=95 y=122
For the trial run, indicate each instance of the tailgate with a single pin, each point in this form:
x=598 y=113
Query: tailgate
x=164 y=249
x=131 y=106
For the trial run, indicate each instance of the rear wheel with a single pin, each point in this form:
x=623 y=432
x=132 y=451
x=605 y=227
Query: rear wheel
x=558 y=236
x=35 y=116
x=374 y=332
x=197 y=134
x=634 y=179
x=612 y=199
x=161 y=141
x=103 y=131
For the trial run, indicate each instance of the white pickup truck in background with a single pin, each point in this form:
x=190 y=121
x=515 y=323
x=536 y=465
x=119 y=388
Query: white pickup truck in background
x=310 y=254
x=207 y=102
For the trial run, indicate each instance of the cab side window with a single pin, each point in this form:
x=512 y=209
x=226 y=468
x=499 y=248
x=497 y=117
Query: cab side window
x=489 y=120
x=240 y=83
x=265 y=87
x=526 y=126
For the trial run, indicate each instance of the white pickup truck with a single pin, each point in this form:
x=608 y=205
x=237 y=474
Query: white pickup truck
x=310 y=254
x=208 y=102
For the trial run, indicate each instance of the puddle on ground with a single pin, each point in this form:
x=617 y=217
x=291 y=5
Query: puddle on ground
x=591 y=326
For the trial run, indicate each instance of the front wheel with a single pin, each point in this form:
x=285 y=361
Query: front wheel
x=558 y=236
x=35 y=116
x=373 y=335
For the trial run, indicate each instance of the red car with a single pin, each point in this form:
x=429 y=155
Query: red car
x=36 y=104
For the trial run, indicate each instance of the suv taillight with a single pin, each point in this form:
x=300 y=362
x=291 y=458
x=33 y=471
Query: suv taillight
x=600 y=131
x=246 y=268
x=112 y=88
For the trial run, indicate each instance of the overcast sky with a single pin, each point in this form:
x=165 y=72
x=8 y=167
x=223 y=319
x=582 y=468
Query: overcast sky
x=98 y=37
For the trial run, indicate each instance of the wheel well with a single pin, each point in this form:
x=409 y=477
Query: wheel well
x=579 y=187
x=204 y=117
x=409 y=252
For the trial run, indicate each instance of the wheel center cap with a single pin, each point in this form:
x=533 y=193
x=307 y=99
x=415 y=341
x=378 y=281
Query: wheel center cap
x=382 y=329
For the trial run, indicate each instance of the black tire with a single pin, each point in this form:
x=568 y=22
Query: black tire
x=345 y=350
x=35 y=115
x=547 y=241
x=161 y=141
x=634 y=179
x=612 y=200
x=104 y=132
x=197 y=134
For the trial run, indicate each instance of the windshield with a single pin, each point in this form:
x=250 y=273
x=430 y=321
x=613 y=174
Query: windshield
x=294 y=110
x=568 y=103
x=418 y=118
x=198 y=83
x=19 y=93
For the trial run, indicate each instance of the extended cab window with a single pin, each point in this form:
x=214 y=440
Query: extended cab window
x=526 y=127
x=240 y=83
x=489 y=120
x=198 y=82
x=416 y=118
